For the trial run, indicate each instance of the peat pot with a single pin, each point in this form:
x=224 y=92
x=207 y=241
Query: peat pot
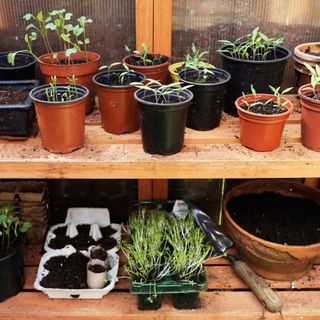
x=268 y=259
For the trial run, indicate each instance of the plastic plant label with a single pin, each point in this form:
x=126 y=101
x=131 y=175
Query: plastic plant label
x=72 y=230
x=95 y=232
x=180 y=209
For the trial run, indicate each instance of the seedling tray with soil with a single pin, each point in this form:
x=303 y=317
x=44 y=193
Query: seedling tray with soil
x=62 y=274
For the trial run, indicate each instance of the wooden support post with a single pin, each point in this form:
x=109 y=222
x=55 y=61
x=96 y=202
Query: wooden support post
x=311 y=182
x=145 y=189
x=160 y=189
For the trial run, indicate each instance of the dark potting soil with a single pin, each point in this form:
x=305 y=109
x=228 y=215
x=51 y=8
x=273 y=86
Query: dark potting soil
x=20 y=60
x=66 y=272
x=82 y=241
x=114 y=79
x=202 y=79
x=265 y=108
x=71 y=61
x=156 y=60
x=308 y=51
x=13 y=96
x=277 y=218
x=97 y=268
x=100 y=254
x=165 y=99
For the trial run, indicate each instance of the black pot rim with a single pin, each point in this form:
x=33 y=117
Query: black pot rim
x=190 y=94
x=287 y=51
x=221 y=71
x=41 y=89
x=19 y=67
x=96 y=81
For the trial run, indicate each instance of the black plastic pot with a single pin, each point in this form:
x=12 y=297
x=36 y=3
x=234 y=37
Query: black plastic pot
x=186 y=300
x=149 y=301
x=206 y=107
x=16 y=119
x=260 y=74
x=163 y=125
x=24 y=68
x=11 y=271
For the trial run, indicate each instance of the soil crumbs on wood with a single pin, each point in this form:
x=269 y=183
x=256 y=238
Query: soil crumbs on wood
x=13 y=96
x=277 y=218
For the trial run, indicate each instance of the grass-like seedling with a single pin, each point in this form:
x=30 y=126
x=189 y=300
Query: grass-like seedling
x=53 y=93
x=119 y=78
x=315 y=79
x=10 y=227
x=144 y=57
x=255 y=46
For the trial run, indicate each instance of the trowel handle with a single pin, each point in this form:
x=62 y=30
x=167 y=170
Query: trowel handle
x=265 y=294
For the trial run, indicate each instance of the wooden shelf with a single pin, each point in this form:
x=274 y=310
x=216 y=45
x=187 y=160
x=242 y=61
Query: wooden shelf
x=211 y=154
x=227 y=298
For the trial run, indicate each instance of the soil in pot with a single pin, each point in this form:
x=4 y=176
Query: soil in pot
x=97 y=268
x=99 y=253
x=137 y=61
x=8 y=96
x=265 y=108
x=277 y=218
x=149 y=301
x=82 y=241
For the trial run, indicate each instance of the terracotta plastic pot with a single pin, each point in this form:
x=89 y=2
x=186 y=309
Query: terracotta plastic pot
x=272 y=260
x=61 y=124
x=82 y=71
x=300 y=57
x=261 y=132
x=310 y=118
x=158 y=72
x=119 y=110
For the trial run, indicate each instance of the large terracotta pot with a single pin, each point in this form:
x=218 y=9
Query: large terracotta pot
x=272 y=260
x=258 y=131
x=158 y=72
x=61 y=124
x=119 y=110
x=82 y=71
x=310 y=118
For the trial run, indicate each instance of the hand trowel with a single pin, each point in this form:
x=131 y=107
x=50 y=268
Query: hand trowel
x=265 y=294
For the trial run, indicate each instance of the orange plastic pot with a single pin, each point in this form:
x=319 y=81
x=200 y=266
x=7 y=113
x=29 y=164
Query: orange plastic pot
x=158 y=72
x=61 y=124
x=82 y=71
x=258 y=131
x=119 y=110
x=268 y=259
x=310 y=118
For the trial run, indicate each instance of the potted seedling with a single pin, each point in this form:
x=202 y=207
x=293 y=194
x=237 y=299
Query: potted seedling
x=23 y=69
x=60 y=110
x=310 y=109
x=70 y=57
x=119 y=110
x=305 y=53
x=208 y=87
x=12 y=231
x=196 y=57
x=262 y=118
x=163 y=115
x=252 y=59
x=152 y=65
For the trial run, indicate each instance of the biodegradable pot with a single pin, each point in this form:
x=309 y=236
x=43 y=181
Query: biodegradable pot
x=11 y=270
x=175 y=66
x=61 y=124
x=158 y=72
x=119 y=110
x=163 y=125
x=245 y=73
x=261 y=132
x=310 y=118
x=206 y=107
x=301 y=55
x=83 y=71
x=16 y=120
x=272 y=260
x=96 y=280
x=24 y=68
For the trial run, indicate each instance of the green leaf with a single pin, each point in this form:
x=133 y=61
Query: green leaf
x=33 y=36
x=68 y=16
x=11 y=57
x=287 y=90
x=40 y=16
x=27 y=16
x=51 y=26
x=25 y=226
x=77 y=30
x=86 y=40
x=30 y=26
x=57 y=22
x=68 y=27
x=310 y=68
x=70 y=51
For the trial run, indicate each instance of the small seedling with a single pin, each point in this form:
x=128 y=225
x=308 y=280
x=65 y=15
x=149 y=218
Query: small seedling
x=53 y=93
x=315 y=79
x=119 y=76
x=201 y=75
x=144 y=56
x=195 y=57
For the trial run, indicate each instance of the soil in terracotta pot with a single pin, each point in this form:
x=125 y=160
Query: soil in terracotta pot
x=309 y=51
x=13 y=96
x=97 y=268
x=137 y=61
x=74 y=61
x=20 y=60
x=100 y=254
x=82 y=241
x=277 y=218
x=66 y=272
x=114 y=80
x=265 y=108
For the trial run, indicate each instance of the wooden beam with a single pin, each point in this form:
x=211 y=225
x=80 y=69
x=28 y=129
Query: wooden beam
x=145 y=189
x=160 y=189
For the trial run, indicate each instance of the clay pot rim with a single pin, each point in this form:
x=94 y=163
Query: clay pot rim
x=286 y=57
x=304 y=97
x=289 y=106
x=19 y=67
x=95 y=60
x=162 y=65
x=177 y=104
x=59 y=85
x=97 y=83
x=278 y=246
x=221 y=71
x=306 y=56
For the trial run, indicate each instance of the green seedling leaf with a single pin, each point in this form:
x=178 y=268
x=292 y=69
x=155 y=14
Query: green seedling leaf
x=287 y=90
x=51 y=26
x=70 y=51
x=11 y=57
x=68 y=16
x=30 y=26
x=40 y=16
x=28 y=16
x=86 y=40
x=68 y=27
